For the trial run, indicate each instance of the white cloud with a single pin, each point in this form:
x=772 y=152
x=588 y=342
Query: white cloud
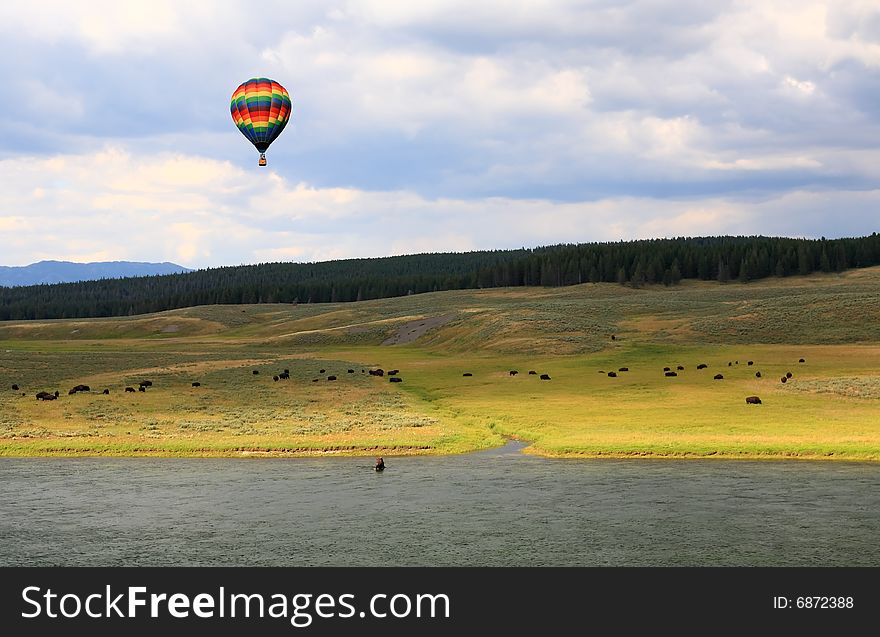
x=114 y=205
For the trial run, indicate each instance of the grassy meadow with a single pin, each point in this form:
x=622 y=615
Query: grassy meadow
x=830 y=409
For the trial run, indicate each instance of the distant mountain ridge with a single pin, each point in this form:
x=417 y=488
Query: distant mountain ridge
x=70 y=272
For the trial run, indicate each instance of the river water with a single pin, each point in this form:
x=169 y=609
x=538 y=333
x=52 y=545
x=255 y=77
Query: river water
x=495 y=508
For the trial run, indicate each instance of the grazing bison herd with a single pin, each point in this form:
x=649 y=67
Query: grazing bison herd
x=750 y=400
x=395 y=378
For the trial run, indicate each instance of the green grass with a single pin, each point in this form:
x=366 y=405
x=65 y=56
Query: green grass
x=829 y=410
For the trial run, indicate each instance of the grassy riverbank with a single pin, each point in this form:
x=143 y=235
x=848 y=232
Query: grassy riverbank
x=830 y=409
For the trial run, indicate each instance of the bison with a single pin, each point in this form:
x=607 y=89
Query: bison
x=286 y=371
x=513 y=372
x=788 y=374
x=377 y=372
x=15 y=388
x=532 y=372
x=255 y=372
x=315 y=380
x=43 y=395
x=729 y=364
x=680 y=368
x=623 y=369
x=702 y=366
x=106 y=392
x=612 y=375
x=757 y=374
x=545 y=376
x=129 y=389
x=331 y=378
x=753 y=400
x=784 y=379
x=751 y=362
x=801 y=360
x=284 y=375
x=613 y=337
x=78 y=388
x=394 y=372
x=380 y=464
x=395 y=379
x=467 y=374
x=146 y=383
x=321 y=371
x=718 y=377
x=142 y=388
x=351 y=371
x=275 y=378
x=196 y=384
x=666 y=369
x=671 y=374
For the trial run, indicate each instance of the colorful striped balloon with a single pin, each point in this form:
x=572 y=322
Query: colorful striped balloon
x=261 y=109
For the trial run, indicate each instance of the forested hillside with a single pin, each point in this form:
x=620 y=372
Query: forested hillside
x=655 y=261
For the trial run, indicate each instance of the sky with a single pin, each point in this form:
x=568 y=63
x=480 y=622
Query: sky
x=432 y=126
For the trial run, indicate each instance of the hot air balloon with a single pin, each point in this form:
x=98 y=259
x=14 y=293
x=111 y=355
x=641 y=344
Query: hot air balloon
x=261 y=109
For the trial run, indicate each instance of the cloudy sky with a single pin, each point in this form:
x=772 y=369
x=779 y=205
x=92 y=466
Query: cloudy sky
x=432 y=126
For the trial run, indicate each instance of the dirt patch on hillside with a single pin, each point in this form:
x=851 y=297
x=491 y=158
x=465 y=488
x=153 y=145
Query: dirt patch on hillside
x=411 y=330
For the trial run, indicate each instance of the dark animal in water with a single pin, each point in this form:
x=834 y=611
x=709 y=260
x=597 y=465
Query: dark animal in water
x=702 y=366
x=146 y=383
x=665 y=369
x=255 y=372
x=788 y=374
x=784 y=379
x=331 y=378
x=513 y=372
x=671 y=374
x=718 y=377
x=395 y=379
x=131 y=389
x=380 y=464
x=801 y=360
x=612 y=375
x=467 y=374
x=106 y=392
x=680 y=368
x=142 y=388
x=196 y=384
x=757 y=374
x=275 y=378
x=751 y=362
x=532 y=372
x=753 y=400
x=15 y=388
x=623 y=369
x=545 y=376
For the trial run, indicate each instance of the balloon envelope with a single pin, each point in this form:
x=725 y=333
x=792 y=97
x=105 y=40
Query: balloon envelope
x=261 y=109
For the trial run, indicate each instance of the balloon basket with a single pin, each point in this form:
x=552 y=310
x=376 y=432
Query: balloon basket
x=262 y=159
